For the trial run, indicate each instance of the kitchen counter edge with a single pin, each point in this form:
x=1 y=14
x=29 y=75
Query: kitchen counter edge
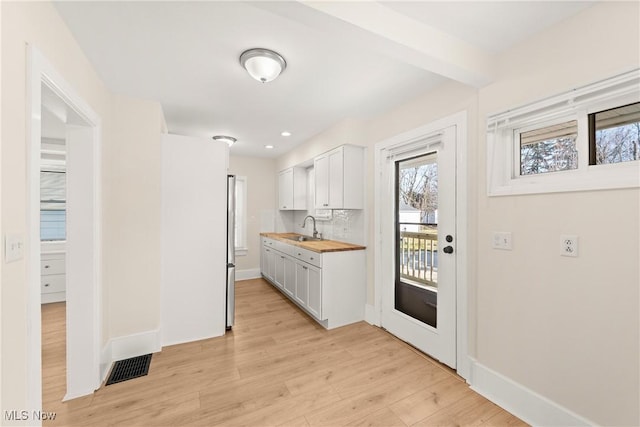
x=320 y=246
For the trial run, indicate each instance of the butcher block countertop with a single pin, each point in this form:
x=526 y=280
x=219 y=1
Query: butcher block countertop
x=314 y=245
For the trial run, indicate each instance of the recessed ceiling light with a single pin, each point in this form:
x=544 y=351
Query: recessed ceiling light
x=286 y=133
x=268 y=146
x=223 y=138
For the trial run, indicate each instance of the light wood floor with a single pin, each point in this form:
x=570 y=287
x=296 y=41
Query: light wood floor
x=277 y=367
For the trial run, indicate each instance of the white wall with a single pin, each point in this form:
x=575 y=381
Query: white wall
x=130 y=141
x=131 y=218
x=564 y=328
x=261 y=205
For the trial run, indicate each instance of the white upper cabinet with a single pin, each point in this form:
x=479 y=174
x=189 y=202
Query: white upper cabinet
x=339 y=178
x=292 y=189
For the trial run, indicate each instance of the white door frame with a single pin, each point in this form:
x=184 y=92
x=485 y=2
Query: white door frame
x=84 y=305
x=462 y=236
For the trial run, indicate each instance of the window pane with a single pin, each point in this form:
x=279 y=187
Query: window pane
x=53 y=225
x=615 y=135
x=549 y=149
x=416 y=276
x=53 y=214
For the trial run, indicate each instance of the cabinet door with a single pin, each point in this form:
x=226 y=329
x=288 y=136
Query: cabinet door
x=279 y=269
x=285 y=189
x=314 y=283
x=321 y=168
x=336 y=179
x=263 y=260
x=302 y=284
x=270 y=263
x=289 y=275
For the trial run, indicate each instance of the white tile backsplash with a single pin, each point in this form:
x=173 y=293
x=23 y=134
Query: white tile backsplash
x=345 y=225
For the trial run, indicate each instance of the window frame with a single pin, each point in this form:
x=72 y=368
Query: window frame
x=240 y=245
x=503 y=141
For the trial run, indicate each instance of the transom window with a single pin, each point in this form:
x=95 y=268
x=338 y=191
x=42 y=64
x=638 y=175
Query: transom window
x=549 y=149
x=614 y=135
x=587 y=138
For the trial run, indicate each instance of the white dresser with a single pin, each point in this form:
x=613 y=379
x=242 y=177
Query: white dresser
x=53 y=281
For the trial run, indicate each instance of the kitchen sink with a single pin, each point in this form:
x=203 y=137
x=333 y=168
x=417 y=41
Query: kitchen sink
x=303 y=238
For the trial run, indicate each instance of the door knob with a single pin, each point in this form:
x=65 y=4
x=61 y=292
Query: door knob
x=448 y=249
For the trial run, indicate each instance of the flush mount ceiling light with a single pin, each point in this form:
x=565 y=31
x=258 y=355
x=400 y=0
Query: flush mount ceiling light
x=268 y=147
x=223 y=138
x=286 y=133
x=263 y=65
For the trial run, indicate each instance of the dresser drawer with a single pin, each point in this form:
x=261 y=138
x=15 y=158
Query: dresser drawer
x=52 y=283
x=52 y=266
x=313 y=258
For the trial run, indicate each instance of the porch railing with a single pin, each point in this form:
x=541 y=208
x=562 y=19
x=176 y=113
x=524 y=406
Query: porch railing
x=419 y=257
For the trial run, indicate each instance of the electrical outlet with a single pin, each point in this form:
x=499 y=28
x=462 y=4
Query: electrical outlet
x=568 y=245
x=502 y=240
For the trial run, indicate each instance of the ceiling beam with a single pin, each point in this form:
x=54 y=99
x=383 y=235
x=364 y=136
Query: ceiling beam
x=399 y=36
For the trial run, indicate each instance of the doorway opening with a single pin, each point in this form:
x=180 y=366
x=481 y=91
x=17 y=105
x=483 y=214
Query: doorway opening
x=72 y=274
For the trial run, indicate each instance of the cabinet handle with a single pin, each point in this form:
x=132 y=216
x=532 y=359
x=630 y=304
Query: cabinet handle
x=325 y=204
x=282 y=257
x=305 y=268
x=299 y=254
x=267 y=250
x=311 y=258
x=46 y=285
x=284 y=207
x=46 y=266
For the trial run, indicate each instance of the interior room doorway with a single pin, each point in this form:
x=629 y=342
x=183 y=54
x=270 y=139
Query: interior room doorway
x=81 y=265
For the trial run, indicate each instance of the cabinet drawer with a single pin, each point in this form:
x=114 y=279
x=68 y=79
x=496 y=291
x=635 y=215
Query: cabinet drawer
x=52 y=266
x=268 y=242
x=285 y=248
x=52 y=283
x=313 y=258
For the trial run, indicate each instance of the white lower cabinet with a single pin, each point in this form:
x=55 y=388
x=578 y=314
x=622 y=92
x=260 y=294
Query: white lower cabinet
x=289 y=275
x=52 y=277
x=268 y=262
x=314 y=281
x=332 y=289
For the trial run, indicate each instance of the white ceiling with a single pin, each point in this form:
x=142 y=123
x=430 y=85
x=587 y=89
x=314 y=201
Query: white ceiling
x=341 y=60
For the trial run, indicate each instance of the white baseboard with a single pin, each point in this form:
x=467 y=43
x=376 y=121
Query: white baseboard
x=251 y=273
x=120 y=348
x=529 y=406
x=371 y=315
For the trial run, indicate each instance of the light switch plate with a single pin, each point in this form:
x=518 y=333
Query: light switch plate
x=502 y=240
x=13 y=247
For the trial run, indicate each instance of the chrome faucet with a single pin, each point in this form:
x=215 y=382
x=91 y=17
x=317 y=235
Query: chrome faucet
x=315 y=232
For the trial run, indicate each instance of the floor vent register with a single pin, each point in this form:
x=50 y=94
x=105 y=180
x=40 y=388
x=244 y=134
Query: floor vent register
x=129 y=369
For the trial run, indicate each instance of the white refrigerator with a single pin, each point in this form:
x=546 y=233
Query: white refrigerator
x=194 y=211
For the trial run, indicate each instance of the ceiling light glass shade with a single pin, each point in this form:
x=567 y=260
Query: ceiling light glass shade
x=263 y=65
x=223 y=138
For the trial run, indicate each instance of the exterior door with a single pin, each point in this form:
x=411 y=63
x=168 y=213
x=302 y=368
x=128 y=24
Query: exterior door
x=419 y=245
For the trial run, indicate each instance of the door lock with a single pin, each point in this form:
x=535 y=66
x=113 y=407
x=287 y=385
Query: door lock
x=448 y=249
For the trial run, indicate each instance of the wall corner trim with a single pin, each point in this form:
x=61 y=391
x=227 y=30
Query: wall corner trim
x=371 y=315
x=250 y=273
x=128 y=346
x=526 y=404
